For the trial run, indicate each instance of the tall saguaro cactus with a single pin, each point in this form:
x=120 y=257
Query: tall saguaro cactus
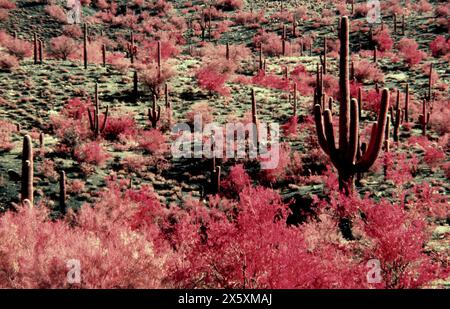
x=344 y=157
x=85 y=51
x=27 y=170
x=94 y=118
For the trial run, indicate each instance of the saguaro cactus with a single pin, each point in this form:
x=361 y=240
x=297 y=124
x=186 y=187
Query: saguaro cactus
x=154 y=113
x=396 y=118
x=94 y=118
x=62 y=192
x=35 y=48
x=135 y=86
x=104 y=55
x=406 y=103
x=344 y=156
x=227 y=51
x=324 y=59
x=85 y=52
x=27 y=170
x=424 y=118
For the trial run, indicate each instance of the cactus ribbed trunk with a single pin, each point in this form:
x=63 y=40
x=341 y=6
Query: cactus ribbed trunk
x=62 y=192
x=35 y=48
x=345 y=157
x=104 y=55
x=159 y=59
x=85 y=52
x=407 y=103
x=27 y=190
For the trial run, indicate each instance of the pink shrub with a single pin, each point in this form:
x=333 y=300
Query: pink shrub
x=408 y=48
x=383 y=40
x=212 y=81
x=119 y=126
x=92 y=153
x=153 y=142
x=63 y=47
x=367 y=72
x=440 y=46
x=56 y=12
x=8 y=62
x=6 y=130
x=236 y=181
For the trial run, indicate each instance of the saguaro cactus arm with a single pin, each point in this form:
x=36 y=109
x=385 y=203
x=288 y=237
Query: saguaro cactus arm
x=376 y=137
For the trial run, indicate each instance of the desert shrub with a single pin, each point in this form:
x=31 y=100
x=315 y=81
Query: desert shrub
x=270 y=43
x=17 y=47
x=278 y=173
x=229 y=5
x=8 y=62
x=201 y=110
x=118 y=127
x=111 y=241
x=154 y=80
x=57 y=13
x=212 y=81
x=92 y=153
x=440 y=46
x=118 y=61
x=73 y=31
x=236 y=181
x=270 y=81
x=408 y=49
x=368 y=72
x=6 y=4
x=383 y=40
x=6 y=130
x=152 y=142
x=63 y=47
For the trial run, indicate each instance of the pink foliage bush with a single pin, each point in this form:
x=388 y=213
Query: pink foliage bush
x=63 y=47
x=92 y=153
x=383 y=40
x=440 y=46
x=110 y=241
x=8 y=62
x=408 y=49
x=212 y=81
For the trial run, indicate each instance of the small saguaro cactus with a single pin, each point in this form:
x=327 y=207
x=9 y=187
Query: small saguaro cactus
x=295 y=100
x=104 y=55
x=424 y=118
x=166 y=96
x=430 y=85
x=294 y=26
x=386 y=135
x=135 y=86
x=62 y=192
x=41 y=140
x=406 y=103
x=85 y=42
x=41 y=52
x=154 y=113
x=260 y=57
x=397 y=117
x=323 y=60
x=395 y=23
x=227 y=51
x=344 y=156
x=35 y=48
x=27 y=190
x=94 y=118
x=158 y=52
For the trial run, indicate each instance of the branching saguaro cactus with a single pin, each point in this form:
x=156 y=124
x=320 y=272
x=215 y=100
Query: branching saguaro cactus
x=344 y=157
x=27 y=170
x=396 y=117
x=94 y=117
x=154 y=113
